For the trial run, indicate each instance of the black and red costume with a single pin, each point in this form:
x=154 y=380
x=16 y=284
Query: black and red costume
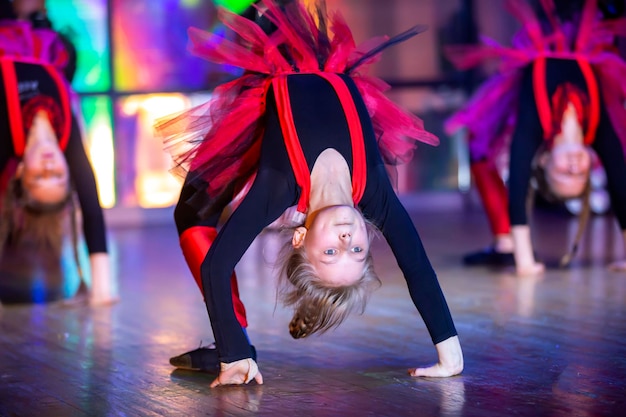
x=529 y=137
x=513 y=113
x=31 y=79
x=300 y=97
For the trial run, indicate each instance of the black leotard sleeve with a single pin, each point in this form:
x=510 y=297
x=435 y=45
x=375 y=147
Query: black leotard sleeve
x=609 y=149
x=270 y=195
x=274 y=190
x=82 y=176
x=381 y=205
x=6 y=151
x=6 y=145
x=527 y=138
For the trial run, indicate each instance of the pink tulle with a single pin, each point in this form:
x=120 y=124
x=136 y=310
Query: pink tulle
x=490 y=113
x=219 y=141
x=487 y=116
x=19 y=39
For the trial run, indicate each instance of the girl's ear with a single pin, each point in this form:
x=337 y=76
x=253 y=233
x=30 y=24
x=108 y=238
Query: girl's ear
x=298 y=237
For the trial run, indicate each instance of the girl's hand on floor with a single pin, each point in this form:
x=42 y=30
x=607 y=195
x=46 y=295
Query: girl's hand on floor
x=533 y=269
x=237 y=373
x=450 y=360
x=618 y=266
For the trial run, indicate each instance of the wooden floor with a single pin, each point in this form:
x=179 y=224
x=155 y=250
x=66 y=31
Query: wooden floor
x=552 y=346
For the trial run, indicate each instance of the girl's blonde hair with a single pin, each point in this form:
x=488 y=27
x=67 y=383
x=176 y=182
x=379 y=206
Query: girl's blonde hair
x=42 y=225
x=319 y=307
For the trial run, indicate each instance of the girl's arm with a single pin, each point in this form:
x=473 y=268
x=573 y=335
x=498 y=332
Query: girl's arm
x=381 y=205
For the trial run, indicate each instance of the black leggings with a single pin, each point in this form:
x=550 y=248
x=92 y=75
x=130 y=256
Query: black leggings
x=190 y=202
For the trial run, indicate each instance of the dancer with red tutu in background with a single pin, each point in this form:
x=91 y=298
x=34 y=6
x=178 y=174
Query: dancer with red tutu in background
x=42 y=158
x=559 y=95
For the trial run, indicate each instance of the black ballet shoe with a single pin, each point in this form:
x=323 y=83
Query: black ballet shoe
x=202 y=359
x=489 y=257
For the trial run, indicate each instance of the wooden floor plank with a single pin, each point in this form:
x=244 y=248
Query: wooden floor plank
x=548 y=346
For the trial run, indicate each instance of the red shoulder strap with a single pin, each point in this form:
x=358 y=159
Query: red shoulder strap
x=294 y=149
x=12 y=98
x=543 y=101
x=359 y=166
x=594 y=100
x=290 y=135
x=14 y=106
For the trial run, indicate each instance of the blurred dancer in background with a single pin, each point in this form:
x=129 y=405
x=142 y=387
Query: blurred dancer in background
x=558 y=96
x=42 y=158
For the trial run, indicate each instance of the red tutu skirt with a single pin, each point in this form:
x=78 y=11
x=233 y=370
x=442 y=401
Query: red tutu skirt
x=218 y=142
x=490 y=115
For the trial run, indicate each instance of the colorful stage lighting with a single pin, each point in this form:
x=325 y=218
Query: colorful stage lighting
x=235 y=6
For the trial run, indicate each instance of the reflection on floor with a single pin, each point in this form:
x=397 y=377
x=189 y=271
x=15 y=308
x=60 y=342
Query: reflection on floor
x=547 y=346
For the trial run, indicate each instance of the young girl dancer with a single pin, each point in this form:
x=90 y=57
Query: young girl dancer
x=304 y=127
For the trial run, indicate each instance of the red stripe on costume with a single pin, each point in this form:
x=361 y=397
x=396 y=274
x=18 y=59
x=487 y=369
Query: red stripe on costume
x=594 y=100
x=543 y=102
x=195 y=243
x=294 y=150
x=493 y=194
x=13 y=105
x=541 y=96
x=359 y=168
x=37 y=46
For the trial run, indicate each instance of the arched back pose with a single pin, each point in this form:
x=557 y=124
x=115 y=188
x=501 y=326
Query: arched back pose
x=298 y=126
x=41 y=152
x=559 y=94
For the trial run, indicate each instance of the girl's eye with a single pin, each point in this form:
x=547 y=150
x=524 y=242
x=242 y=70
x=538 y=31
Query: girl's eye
x=330 y=252
x=357 y=249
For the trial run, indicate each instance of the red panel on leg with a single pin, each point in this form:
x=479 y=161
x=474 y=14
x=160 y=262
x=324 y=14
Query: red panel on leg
x=493 y=195
x=195 y=243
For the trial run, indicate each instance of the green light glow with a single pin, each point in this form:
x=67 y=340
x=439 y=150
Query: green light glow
x=235 y=6
x=84 y=23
